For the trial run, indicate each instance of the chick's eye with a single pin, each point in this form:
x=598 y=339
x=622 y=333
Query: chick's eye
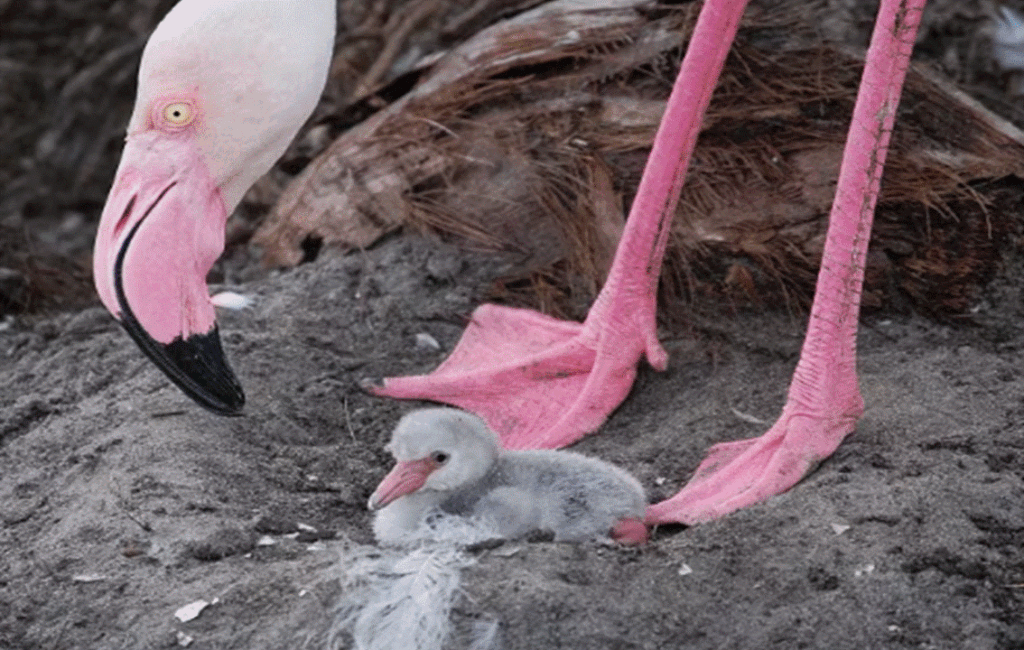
x=440 y=457
x=179 y=114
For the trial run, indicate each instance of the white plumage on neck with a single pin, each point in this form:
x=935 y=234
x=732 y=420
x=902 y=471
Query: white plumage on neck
x=257 y=69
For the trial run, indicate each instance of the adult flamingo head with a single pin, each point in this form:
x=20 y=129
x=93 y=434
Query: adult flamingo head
x=224 y=85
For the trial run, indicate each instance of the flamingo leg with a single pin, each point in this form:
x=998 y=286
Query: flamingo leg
x=540 y=382
x=824 y=400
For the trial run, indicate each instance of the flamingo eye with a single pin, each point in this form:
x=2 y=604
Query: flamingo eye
x=178 y=114
x=440 y=457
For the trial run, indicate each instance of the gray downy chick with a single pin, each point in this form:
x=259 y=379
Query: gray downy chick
x=449 y=461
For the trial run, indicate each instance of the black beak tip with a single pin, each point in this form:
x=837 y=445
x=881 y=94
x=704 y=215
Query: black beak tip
x=198 y=367
x=223 y=396
x=196 y=363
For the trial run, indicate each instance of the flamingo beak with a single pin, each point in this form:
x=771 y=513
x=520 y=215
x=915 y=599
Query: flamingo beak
x=405 y=478
x=161 y=230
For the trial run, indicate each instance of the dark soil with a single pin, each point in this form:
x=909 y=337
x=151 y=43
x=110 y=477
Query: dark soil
x=121 y=501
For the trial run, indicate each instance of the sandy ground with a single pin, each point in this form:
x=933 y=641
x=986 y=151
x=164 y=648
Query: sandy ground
x=120 y=501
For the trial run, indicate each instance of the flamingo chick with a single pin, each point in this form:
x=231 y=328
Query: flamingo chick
x=449 y=460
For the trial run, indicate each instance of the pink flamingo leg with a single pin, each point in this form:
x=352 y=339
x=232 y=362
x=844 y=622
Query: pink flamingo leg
x=541 y=382
x=824 y=400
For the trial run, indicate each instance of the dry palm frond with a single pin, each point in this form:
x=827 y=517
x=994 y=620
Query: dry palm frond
x=532 y=136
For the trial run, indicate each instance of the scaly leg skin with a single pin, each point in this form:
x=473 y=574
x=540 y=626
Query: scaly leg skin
x=544 y=383
x=824 y=400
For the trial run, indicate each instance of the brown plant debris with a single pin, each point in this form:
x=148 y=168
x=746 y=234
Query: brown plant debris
x=531 y=137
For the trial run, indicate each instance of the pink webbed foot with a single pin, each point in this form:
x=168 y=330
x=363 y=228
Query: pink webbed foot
x=824 y=401
x=536 y=380
x=543 y=383
x=738 y=474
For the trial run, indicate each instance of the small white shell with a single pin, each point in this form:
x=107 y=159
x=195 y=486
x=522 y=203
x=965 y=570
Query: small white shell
x=231 y=300
x=191 y=611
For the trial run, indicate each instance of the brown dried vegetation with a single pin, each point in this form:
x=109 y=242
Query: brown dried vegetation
x=531 y=137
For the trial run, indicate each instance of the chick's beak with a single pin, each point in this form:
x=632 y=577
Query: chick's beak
x=405 y=478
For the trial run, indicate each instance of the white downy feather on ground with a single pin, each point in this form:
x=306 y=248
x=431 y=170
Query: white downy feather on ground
x=402 y=598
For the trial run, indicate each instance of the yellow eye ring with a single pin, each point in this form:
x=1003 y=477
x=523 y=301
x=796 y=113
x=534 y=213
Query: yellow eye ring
x=179 y=114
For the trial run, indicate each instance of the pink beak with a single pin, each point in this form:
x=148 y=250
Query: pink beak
x=161 y=230
x=405 y=478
